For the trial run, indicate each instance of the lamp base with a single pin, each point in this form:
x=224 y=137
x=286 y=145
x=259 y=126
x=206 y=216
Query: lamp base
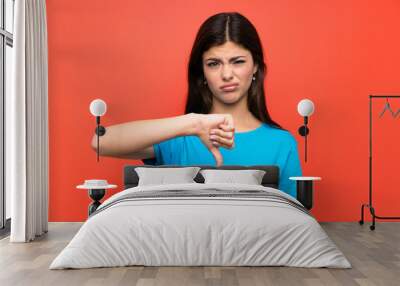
x=100 y=130
x=303 y=130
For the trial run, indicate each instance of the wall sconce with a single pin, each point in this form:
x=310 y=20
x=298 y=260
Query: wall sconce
x=305 y=109
x=98 y=108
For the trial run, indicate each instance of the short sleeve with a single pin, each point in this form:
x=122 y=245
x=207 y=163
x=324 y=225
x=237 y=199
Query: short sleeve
x=167 y=152
x=291 y=168
x=156 y=159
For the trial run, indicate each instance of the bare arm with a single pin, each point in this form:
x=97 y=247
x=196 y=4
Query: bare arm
x=134 y=140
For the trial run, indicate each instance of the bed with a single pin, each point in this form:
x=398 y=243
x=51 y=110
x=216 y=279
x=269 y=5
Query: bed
x=201 y=224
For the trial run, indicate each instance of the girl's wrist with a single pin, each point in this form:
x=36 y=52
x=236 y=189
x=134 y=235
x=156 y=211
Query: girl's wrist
x=193 y=121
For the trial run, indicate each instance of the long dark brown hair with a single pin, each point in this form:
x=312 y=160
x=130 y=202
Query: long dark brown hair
x=215 y=31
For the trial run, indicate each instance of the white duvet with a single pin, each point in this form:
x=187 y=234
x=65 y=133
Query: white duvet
x=219 y=231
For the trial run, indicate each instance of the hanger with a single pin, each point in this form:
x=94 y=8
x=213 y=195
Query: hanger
x=387 y=107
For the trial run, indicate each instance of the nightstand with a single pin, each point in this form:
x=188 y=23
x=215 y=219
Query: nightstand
x=96 y=190
x=305 y=190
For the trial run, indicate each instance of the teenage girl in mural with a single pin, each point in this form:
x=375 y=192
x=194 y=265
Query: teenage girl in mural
x=226 y=120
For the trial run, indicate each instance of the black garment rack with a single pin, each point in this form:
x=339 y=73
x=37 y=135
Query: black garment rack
x=370 y=205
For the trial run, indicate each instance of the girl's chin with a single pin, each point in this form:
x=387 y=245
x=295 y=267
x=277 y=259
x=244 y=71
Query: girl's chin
x=230 y=98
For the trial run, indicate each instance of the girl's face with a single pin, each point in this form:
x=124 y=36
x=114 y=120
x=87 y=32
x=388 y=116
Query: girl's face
x=228 y=70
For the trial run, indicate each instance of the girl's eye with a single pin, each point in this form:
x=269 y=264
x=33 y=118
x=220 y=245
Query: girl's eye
x=212 y=64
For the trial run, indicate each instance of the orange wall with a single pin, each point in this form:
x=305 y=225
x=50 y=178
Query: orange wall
x=133 y=54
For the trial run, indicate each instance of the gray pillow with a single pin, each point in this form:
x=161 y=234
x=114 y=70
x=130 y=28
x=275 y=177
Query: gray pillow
x=162 y=176
x=250 y=177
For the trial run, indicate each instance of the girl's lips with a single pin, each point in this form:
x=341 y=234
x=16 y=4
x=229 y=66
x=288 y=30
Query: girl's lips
x=229 y=87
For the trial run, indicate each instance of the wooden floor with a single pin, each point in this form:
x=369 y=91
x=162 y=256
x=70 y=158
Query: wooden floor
x=374 y=255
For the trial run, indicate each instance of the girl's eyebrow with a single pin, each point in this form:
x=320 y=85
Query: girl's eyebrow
x=231 y=59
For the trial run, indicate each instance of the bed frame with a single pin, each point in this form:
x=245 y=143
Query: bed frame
x=270 y=179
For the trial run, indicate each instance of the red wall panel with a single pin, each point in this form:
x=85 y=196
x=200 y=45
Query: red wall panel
x=133 y=55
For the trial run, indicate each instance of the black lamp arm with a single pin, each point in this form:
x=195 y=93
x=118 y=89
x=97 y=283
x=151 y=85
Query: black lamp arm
x=100 y=131
x=303 y=131
x=305 y=120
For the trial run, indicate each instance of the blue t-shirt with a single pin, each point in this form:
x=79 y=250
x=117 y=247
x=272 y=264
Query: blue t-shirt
x=265 y=145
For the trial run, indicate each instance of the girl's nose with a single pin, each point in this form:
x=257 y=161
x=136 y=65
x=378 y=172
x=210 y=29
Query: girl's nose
x=226 y=73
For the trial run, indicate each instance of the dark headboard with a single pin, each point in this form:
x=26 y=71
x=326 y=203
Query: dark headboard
x=270 y=179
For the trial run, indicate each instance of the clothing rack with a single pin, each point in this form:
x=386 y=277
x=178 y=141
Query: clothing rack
x=370 y=204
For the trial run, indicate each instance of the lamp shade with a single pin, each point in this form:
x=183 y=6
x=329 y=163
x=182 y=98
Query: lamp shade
x=305 y=107
x=98 y=107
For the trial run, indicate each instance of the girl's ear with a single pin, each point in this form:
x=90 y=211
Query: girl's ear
x=255 y=69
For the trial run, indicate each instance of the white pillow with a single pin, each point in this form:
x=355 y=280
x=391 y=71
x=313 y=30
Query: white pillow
x=250 y=177
x=162 y=176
